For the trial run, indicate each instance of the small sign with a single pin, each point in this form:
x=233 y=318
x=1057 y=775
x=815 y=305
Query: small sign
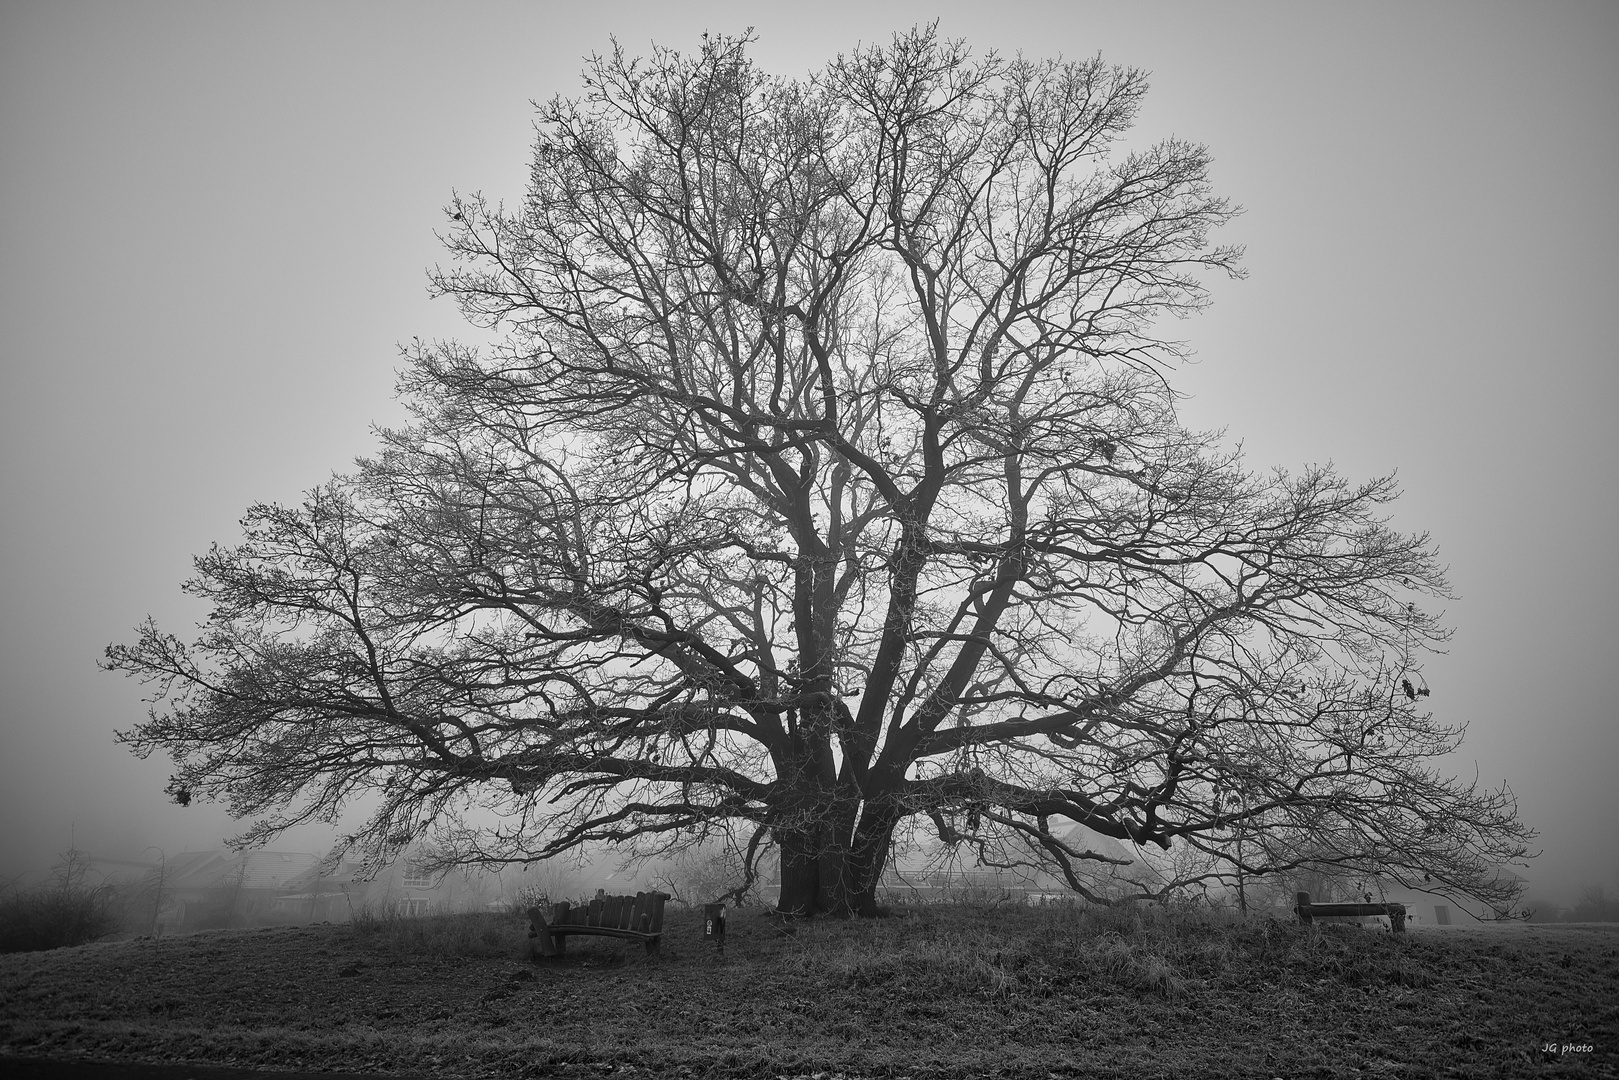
x=714 y=924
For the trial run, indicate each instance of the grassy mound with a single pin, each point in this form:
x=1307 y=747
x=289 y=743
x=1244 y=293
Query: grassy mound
x=932 y=993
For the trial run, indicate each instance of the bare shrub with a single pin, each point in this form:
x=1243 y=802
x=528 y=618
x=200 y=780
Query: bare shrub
x=70 y=909
x=702 y=875
x=1594 y=906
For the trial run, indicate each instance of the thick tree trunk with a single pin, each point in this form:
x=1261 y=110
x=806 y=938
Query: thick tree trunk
x=872 y=841
x=800 y=874
x=821 y=875
x=823 y=882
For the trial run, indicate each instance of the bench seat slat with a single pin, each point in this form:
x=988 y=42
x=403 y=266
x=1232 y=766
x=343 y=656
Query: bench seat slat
x=604 y=931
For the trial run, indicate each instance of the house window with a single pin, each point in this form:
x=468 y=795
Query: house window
x=411 y=906
x=416 y=876
x=1441 y=914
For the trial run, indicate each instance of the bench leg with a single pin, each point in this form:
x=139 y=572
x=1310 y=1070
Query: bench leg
x=542 y=943
x=652 y=946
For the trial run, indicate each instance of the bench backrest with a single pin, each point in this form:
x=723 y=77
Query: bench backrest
x=652 y=908
x=1308 y=912
x=643 y=912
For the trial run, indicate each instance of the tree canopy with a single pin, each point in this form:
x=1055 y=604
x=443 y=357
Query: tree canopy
x=824 y=479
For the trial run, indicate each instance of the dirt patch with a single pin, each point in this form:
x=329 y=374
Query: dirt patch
x=939 y=992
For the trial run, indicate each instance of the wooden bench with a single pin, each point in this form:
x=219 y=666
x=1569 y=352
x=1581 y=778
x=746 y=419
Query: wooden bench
x=636 y=918
x=1308 y=912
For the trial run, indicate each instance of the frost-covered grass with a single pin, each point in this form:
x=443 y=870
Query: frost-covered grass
x=477 y=934
x=948 y=991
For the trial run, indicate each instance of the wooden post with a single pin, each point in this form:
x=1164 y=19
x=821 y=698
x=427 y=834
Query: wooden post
x=1301 y=904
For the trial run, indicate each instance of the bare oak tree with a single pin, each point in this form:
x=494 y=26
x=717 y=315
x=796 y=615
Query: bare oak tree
x=826 y=478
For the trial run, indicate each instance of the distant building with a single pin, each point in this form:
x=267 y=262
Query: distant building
x=1425 y=908
x=337 y=888
x=198 y=890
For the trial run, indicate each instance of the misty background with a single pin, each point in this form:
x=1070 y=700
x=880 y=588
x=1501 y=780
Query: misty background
x=215 y=222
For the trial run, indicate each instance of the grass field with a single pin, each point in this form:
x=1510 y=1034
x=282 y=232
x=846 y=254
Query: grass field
x=932 y=992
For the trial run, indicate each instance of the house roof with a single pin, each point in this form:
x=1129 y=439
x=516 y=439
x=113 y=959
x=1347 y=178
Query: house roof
x=274 y=869
x=325 y=875
x=250 y=869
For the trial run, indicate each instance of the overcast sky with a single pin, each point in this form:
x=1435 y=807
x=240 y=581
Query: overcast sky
x=215 y=221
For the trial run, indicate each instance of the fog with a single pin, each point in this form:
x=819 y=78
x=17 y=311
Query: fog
x=217 y=218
